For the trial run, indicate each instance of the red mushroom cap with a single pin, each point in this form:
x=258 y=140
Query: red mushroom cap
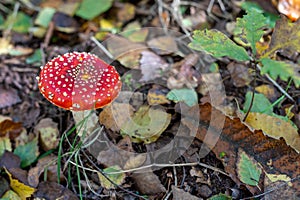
x=79 y=81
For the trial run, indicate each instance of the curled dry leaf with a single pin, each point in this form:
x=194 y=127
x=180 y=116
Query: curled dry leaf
x=135 y=161
x=48 y=133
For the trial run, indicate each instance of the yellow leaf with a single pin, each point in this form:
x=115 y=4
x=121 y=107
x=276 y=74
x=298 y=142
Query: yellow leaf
x=279 y=177
x=115 y=175
x=275 y=127
x=24 y=191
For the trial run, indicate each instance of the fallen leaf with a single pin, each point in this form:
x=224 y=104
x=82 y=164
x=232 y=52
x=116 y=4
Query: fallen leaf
x=157 y=95
x=184 y=73
x=10 y=128
x=275 y=127
x=48 y=133
x=89 y=9
x=163 y=45
x=10 y=194
x=248 y=169
x=268 y=91
x=28 y=152
x=23 y=191
x=134 y=32
x=4 y=186
x=125 y=51
x=148 y=183
x=5 y=145
x=9 y=160
x=52 y=190
x=279 y=177
x=279 y=42
x=8 y=97
x=260 y=104
x=180 y=194
x=146 y=125
x=115 y=115
x=44 y=17
x=235 y=135
x=240 y=74
x=114 y=174
x=152 y=66
x=135 y=161
x=126 y=12
x=188 y=96
x=220 y=197
x=46 y=164
x=20 y=22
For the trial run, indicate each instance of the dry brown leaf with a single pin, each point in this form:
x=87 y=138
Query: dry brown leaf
x=275 y=127
x=267 y=90
x=135 y=161
x=273 y=155
x=8 y=97
x=10 y=128
x=125 y=51
x=152 y=66
x=180 y=194
x=163 y=45
x=114 y=115
x=148 y=183
x=48 y=133
x=52 y=190
x=183 y=73
x=47 y=164
x=239 y=74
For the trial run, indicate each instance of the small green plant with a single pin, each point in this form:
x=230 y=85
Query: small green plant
x=248 y=31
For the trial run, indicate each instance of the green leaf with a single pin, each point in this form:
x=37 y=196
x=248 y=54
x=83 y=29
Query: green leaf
x=20 y=23
x=89 y=9
x=146 y=125
x=281 y=69
x=220 y=197
x=260 y=104
x=270 y=18
x=44 y=17
x=116 y=178
x=27 y=153
x=250 y=27
x=218 y=45
x=247 y=168
x=36 y=57
x=188 y=96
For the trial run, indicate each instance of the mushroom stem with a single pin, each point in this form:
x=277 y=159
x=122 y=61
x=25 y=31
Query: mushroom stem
x=85 y=122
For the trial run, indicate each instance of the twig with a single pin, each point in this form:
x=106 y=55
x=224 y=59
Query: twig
x=102 y=48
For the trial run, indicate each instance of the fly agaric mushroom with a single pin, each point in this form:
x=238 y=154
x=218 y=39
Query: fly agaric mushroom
x=79 y=81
